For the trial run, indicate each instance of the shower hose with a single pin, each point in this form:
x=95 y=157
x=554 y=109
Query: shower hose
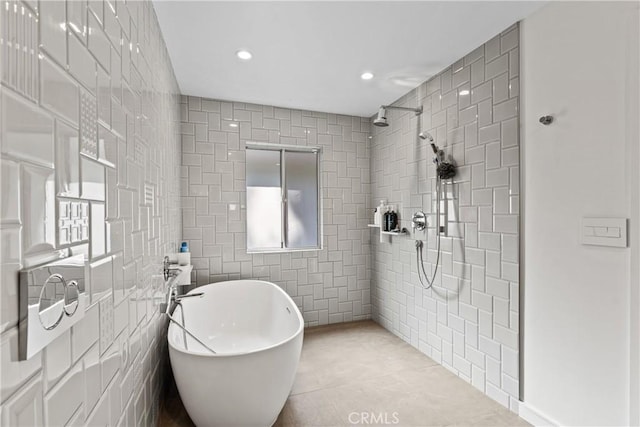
x=420 y=244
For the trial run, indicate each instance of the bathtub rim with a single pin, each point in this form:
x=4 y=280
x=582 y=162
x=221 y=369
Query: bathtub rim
x=298 y=332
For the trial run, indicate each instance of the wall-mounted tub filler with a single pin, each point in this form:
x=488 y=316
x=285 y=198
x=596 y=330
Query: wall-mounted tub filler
x=173 y=300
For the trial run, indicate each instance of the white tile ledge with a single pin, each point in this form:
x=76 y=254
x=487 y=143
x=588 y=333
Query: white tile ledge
x=184 y=278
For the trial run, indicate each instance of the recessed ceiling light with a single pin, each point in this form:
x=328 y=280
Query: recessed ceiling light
x=233 y=125
x=244 y=54
x=464 y=92
x=366 y=76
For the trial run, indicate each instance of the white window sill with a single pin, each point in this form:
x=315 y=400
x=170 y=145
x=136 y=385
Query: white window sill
x=281 y=250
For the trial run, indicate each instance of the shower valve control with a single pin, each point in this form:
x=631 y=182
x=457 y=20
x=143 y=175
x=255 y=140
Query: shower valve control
x=419 y=221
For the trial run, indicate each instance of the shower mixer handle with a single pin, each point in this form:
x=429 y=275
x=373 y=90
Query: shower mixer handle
x=419 y=221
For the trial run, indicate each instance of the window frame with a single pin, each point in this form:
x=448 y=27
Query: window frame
x=284 y=207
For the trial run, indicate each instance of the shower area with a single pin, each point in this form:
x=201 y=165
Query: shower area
x=449 y=149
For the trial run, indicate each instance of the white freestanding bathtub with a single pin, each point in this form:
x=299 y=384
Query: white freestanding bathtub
x=256 y=331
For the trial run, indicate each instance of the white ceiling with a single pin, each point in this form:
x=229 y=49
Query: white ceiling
x=309 y=55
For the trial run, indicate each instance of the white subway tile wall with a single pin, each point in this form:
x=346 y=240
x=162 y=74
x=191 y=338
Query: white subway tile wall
x=469 y=321
x=330 y=285
x=90 y=162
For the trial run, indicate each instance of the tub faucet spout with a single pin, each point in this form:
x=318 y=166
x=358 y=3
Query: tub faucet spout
x=172 y=297
x=181 y=297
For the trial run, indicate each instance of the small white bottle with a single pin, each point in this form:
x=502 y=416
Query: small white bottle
x=380 y=210
x=184 y=256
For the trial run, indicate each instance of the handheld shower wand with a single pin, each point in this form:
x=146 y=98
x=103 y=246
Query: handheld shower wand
x=444 y=170
x=426 y=136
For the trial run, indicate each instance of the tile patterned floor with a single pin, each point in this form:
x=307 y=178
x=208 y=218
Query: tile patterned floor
x=360 y=374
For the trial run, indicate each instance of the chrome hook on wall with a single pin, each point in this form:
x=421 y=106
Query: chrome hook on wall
x=546 y=120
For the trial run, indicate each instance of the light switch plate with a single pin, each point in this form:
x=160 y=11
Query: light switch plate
x=604 y=232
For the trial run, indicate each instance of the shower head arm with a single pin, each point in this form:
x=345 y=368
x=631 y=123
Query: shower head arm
x=418 y=110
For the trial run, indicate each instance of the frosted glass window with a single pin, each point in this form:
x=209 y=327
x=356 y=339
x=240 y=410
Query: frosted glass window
x=282 y=199
x=302 y=199
x=264 y=200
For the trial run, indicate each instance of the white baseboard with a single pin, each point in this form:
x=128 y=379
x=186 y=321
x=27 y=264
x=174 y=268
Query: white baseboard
x=534 y=416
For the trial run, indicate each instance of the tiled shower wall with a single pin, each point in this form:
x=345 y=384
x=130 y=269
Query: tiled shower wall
x=468 y=321
x=330 y=285
x=90 y=165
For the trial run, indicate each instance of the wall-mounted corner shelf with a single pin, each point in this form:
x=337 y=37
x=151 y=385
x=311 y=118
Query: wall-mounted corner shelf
x=395 y=232
x=384 y=235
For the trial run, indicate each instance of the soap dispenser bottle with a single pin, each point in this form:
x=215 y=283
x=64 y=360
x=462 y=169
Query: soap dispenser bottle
x=385 y=218
x=184 y=256
x=393 y=219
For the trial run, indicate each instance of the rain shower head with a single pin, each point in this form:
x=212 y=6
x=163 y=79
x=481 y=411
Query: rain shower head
x=381 y=120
